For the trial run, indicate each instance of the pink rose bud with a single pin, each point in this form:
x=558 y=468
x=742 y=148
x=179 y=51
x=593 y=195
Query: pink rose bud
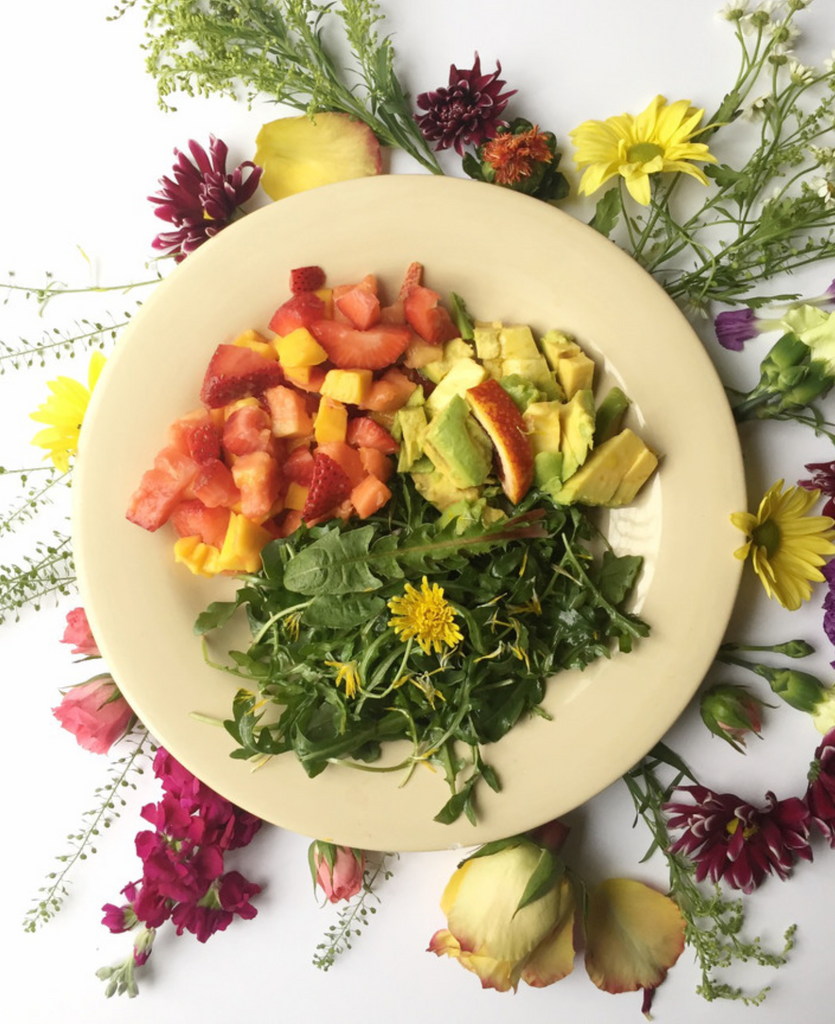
x=79 y=634
x=338 y=870
x=95 y=713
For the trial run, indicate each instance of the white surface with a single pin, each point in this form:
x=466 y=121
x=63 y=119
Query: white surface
x=84 y=145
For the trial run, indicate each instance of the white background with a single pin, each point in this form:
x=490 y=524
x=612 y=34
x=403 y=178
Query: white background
x=84 y=145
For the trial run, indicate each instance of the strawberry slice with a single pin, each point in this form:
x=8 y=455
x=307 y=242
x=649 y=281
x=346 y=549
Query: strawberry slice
x=203 y=441
x=306 y=279
x=353 y=349
x=363 y=432
x=427 y=317
x=412 y=277
x=299 y=311
x=235 y=372
x=329 y=485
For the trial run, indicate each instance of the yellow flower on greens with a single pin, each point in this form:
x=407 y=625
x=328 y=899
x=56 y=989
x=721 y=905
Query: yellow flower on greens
x=659 y=139
x=347 y=672
x=426 y=616
x=64 y=412
x=787 y=546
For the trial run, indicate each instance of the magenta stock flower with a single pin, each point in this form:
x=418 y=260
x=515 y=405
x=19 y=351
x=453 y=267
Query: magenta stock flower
x=730 y=839
x=467 y=111
x=823 y=480
x=202 y=198
x=79 y=634
x=95 y=713
x=820 y=796
x=227 y=897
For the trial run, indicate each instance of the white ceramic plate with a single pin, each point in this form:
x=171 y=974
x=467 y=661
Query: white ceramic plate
x=513 y=259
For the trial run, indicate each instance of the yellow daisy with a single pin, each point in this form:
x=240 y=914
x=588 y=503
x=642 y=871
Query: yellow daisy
x=347 y=672
x=659 y=139
x=64 y=412
x=426 y=616
x=786 y=545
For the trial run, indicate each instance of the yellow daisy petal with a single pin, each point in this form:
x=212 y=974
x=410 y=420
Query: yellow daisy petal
x=64 y=413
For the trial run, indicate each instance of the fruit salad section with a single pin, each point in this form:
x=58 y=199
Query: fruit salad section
x=306 y=421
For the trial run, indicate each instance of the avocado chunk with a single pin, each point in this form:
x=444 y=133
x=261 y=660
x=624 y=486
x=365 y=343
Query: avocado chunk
x=463 y=374
x=576 y=431
x=521 y=390
x=410 y=425
x=574 y=370
x=440 y=491
x=458 y=446
x=547 y=470
x=450 y=354
x=542 y=421
x=612 y=475
x=610 y=415
x=516 y=341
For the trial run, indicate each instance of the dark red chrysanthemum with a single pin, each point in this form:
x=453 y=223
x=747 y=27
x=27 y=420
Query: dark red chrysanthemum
x=467 y=111
x=730 y=839
x=202 y=198
x=823 y=480
x=820 y=796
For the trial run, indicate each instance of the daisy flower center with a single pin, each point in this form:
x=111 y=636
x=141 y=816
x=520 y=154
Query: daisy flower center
x=643 y=152
x=767 y=535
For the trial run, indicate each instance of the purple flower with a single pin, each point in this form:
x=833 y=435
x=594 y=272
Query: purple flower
x=735 y=327
x=823 y=480
x=467 y=111
x=829 y=603
x=730 y=839
x=820 y=796
x=228 y=896
x=202 y=198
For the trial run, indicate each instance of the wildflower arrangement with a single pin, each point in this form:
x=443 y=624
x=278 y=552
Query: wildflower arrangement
x=511 y=906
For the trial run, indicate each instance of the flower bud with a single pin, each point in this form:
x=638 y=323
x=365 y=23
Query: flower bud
x=730 y=711
x=337 y=870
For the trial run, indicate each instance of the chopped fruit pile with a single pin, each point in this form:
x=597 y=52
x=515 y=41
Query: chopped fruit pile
x=307 y=421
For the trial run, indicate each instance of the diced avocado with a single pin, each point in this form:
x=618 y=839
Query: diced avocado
x=463 y=374
x=547 y=470
x=556 y=345
x=458 y=446
x=486 y=337
x=576 y=431
x=452 y=352
x=521 y=390
x=410 y=425
x=417 y=397
x=610 y=415
x=612 y=474
x=542 y=421
x=575 y=373
x=517 y=342
x=440 y=491
x=535 y=369
x=422 y=465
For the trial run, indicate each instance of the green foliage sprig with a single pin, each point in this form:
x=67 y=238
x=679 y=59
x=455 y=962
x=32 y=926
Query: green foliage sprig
x=283 y=49
x=713 y=923
x=49 y=572
x=36 y=494
x=110 y=799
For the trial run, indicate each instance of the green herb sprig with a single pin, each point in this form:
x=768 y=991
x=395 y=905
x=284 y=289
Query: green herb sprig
x=338 y=683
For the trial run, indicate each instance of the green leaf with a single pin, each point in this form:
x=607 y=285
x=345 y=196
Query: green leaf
x=335 y=564
x=344 y=612
x=607 y=212
x=216 y=615
x=545 y=876
x=617 y=575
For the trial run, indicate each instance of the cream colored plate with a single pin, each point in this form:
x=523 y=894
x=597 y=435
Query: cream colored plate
x=514 y=259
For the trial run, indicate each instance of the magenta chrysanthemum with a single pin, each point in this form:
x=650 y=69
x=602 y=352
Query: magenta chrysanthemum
x=820 y=796
x=823 y=480
x=202 y=198
x=730 y=839
x=467 y=111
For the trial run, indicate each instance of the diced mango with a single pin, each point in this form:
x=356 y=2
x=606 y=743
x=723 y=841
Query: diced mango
x=349 y=386
x=326 y=295
x=201 y=559
x=241 y=551
x=257 y=342
x=296 y=496
x=299 y=348
x=331 y=422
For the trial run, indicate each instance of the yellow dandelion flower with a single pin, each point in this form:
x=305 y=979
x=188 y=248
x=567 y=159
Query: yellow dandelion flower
x=347 y=672
x=64 y=412
x=659 y=139
x=786 y=545
x=426 y=616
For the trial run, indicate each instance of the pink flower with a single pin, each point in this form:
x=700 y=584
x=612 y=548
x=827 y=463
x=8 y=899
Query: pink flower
x=202 y=198
x=95 y=713
x=820 y=796
x=338 y=870
x=78 y=632
x=730 y=839
x=228 y=896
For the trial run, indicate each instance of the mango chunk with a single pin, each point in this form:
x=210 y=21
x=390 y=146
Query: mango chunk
x=241 y=551
x=348 y=386
x=299 y=348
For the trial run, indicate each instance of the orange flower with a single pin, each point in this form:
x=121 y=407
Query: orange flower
x=512 y=157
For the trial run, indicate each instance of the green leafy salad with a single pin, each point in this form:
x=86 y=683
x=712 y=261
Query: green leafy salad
x=438 y=618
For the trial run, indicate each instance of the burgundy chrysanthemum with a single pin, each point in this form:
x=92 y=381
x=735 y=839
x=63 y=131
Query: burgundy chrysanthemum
x=202 y=198
x=820 y=796
x=823 y=480
x=467 y=111
x=730 y=839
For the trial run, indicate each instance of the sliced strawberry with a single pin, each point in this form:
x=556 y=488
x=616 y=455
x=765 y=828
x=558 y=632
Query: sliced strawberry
x=428 y=318
x=353 y=349
x=248 y=429
x=412 y=277
x=346 y=457
x=363 y=432
x=306 y=279
x=236 y=371
x=329 y=486
x=300 y=311
x=360 y=305
x=214 y=486
x=194 y=519
x=298 y=466
x=203 y=441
